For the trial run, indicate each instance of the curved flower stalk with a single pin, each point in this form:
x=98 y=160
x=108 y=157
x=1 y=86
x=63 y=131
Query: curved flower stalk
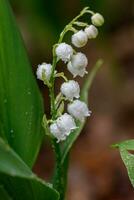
x=63 y=123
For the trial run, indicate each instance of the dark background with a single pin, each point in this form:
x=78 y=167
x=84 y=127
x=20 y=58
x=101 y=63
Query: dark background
x=96 y=170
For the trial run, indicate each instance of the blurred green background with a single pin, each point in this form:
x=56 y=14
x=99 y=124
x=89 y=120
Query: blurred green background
x=96 y=171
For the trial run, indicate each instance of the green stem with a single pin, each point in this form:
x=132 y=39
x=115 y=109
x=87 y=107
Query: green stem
x=51 y=89
x=57 y=181
x=68 y=27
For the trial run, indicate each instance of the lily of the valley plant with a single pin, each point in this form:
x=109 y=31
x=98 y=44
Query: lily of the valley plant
x=66 y=120
x=21 y=107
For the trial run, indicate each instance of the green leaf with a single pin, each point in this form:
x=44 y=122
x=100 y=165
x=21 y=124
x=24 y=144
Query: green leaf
x=127 y=157
x=20 y=101
x=84 y=97
x=20 y=182
x=3 y=194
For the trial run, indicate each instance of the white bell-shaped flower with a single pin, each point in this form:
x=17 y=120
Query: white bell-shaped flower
x=44 y=68
x=70 y=89
x=62 y=127
x=77 y=65
x=56 y=132
x=91 y=31
x=64 y=52
x=79 y=110
x=97 y=19
x=66 y=123
x=79 y=39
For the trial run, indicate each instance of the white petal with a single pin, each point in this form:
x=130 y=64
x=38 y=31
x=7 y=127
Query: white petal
x=72 y=70
x=70 y=89
x=46 y=68
x=66 y=123
x=64 y=52
x=79 y=39
x=78 y=64
x=78 y=110
x=56 y=132
x=79 y=60
x=91 y=31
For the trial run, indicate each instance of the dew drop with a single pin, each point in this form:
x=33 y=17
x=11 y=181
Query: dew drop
x=12 y=133
x=5 y=101
x=29 y=93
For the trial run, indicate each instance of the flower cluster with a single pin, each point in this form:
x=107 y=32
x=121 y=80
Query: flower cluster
x=77 y=62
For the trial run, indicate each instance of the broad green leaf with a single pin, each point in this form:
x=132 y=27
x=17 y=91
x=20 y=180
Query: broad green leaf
x=127 y=157
x=21 y=108
x=3 y=194
x=84 y=97
x=20 y=182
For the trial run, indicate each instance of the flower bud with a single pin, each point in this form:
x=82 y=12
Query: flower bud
x=62 y=127
x=44 y=68
x=70 y=89
x=91 y=31
x=97 y=19
x=78 y=64
x=64 y=52
x=78 y=110
x=79 y=39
